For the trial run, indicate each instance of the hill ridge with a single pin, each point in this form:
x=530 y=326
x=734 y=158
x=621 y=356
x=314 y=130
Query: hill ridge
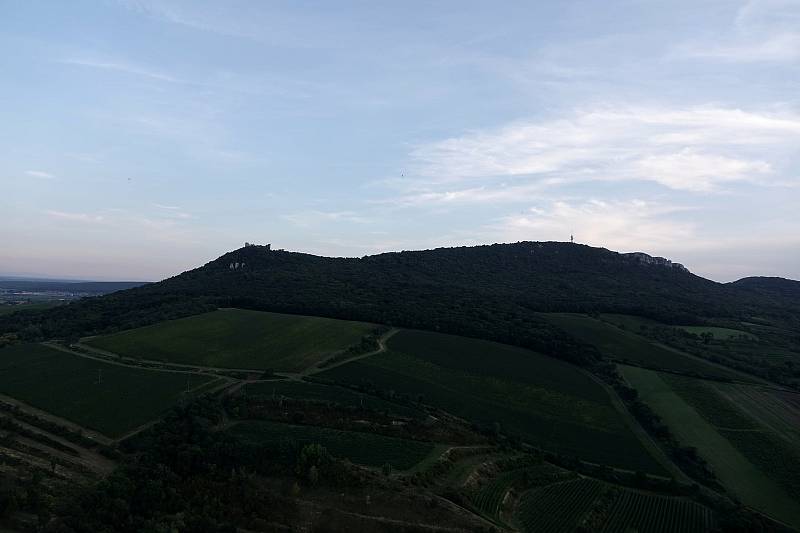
x=492 y=291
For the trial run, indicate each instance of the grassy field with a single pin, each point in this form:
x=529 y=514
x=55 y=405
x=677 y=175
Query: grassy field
x=329 y=393
x=739 y=474
x=235 y=338
x=367 y=449
x=548 y=402
x=67 y=386
x=634 y=323
x=758 y=422
x=624 y=346
x=706 y=399
x=777 y=411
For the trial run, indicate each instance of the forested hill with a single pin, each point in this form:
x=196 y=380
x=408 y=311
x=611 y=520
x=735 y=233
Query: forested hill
x=492 y=292
x=775 y=288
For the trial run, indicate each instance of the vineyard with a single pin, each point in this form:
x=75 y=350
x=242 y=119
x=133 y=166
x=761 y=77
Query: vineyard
x=757 y=422
x=707 y=400
x=546 y=402
x=237 y=338
x=597 y=506
x=757 y=466
x=637 y=511
x=105 y=397
x=557 y=507
x=777 y=410
x=490 y=497
x=621 y=345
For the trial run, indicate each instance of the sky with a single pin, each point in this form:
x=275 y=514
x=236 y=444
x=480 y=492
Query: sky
x=141 y=138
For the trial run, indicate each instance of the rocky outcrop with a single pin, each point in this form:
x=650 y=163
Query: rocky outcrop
x=644 y=259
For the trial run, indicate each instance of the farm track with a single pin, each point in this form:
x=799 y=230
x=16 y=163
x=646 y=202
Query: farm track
x=90 y=433
x=226 y=384
x=161 y=366
x=316 y=369
x=149 y=364
x=647 y=441
x=770 y=411
x=232 y=384
x=733 y=469
x=227 y=381
x=748 y=379
x=81 y=459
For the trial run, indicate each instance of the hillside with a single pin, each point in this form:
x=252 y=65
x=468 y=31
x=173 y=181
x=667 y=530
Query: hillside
x=779 y=288
x=492 y=292
x=260 y=397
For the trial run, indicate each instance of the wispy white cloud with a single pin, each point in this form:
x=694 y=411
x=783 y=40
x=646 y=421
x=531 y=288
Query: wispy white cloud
x=619 y=225
x=168 y=207
x=762 y=31
x=495 y=193
x=692 y=171
x=690 y=149
x=76 y=217
x=39 y=174
x=123 y=67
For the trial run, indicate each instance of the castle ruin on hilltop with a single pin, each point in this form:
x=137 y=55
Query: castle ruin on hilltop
x=237 y=265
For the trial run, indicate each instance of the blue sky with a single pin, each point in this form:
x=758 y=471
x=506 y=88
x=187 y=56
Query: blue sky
x=141 y=138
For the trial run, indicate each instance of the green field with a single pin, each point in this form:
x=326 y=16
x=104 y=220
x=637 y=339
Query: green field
x=776 y=411
x=369 y=449
x=705 y=398
x=624 y=346
x=635 y=323
x=759 y=424
x=236 y=338
x=548 y=402
x=67 y=386
x=329 y=393
x=742 y=476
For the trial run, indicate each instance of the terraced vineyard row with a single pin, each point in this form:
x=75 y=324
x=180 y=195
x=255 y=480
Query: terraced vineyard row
x=490 y=497
x=559 y=506
x=567 y=505
x=40 y=461
x=636 y=511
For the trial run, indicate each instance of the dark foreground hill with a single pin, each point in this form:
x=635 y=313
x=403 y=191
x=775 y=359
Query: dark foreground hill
x=492 y=292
